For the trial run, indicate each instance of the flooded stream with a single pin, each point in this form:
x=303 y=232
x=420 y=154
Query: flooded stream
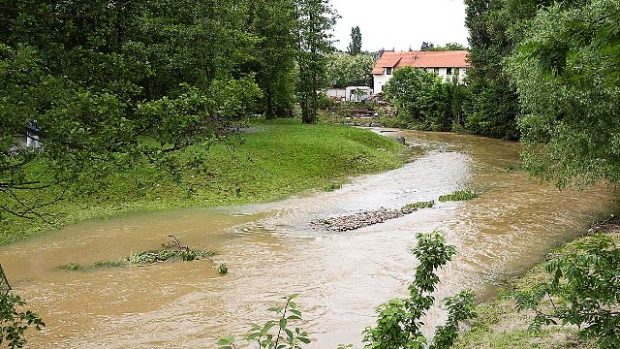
x=272 y=251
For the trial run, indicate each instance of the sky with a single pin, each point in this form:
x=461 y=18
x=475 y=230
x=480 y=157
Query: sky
x=400 y=24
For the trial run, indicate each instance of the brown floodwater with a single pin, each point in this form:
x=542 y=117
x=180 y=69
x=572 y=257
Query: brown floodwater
x=272 y=251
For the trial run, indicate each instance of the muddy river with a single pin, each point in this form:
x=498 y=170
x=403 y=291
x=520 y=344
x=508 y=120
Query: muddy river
x=272 y=251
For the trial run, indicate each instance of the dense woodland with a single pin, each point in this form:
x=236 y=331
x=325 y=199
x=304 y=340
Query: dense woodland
x=543 y=72
x=111 y=83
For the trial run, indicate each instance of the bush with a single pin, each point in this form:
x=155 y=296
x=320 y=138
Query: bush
x=399 y=325
x=461 y=195
x=582 y=290
x=425 y=102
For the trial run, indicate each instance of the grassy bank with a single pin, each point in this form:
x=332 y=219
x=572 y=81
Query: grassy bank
x=500 y=326
x=271 y=160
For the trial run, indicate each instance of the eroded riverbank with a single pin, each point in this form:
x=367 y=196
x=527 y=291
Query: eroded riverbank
x=272 y=251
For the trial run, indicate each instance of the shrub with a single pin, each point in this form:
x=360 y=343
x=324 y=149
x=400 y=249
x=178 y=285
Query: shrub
x=582 y=289
x=461 y=195
x=399 y=325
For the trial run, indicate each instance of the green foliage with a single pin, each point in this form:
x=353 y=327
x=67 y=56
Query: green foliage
x=275 y=334
x=147 y=257
x=495 y=106
x=425 y=102
x=333 y=187
x=399 y=323
x=150 y=257
x=427 y=46
x=582 y=290
x=461 y=195
x=344 y=70
x=566 y=70
x=418 y=206
x=460 y=308
x=355 y=47
x=222 y=269
x=273 y=22
x=420 y=98
x=14 y=321
x=450 y=46
x=95 y=266
x=71 y=267
x=98 y=77
x=316 y=18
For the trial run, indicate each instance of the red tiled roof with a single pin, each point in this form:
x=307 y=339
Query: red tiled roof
x=421 y=59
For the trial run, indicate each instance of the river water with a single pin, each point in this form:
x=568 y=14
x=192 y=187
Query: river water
x=272 y=251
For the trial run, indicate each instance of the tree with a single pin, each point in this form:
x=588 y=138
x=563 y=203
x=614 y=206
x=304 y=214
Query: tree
x=355 y=47
x=316 y=19
x=582 y=290
x=427 y=46
x=421 y=99
x=566 y=70
x=344 y=70
x=105 y=84
x=495 y=102
x=273 y=23
x=451 y=46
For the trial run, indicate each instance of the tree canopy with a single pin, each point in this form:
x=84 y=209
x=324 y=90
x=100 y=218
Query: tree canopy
x=316 y=19
x=567 y=72
x=355 y=47
x=344 y=70
x=103 y=85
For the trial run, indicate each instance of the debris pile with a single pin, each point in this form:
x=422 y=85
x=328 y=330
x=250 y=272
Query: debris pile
x=367 y=218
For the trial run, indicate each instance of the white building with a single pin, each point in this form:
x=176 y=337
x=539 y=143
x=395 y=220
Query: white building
x=446 y=64
x=350 y=94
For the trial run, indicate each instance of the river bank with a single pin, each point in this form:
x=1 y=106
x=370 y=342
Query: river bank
x=270 y=161
x=272 y=251
x=501 y=326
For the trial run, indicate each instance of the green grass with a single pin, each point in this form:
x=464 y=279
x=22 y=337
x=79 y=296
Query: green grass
x=419 y=205
x=461 y=195
x=500 y=326
x=222 y=269
x=333 y=187
x=142 y=258
x=92 y=267
x=277 y=159
x=150 y=257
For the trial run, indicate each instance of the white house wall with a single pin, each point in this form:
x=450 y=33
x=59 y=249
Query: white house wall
x=382 y=80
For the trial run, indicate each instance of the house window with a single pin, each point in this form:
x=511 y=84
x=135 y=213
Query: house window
x=449 y=71
x=388 y=71
x=436 y=71
x=457 y=71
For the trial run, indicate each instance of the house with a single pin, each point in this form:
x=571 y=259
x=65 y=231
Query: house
x=349 y=94
x=446 y=64
x=358 y=93
x=339 y=94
